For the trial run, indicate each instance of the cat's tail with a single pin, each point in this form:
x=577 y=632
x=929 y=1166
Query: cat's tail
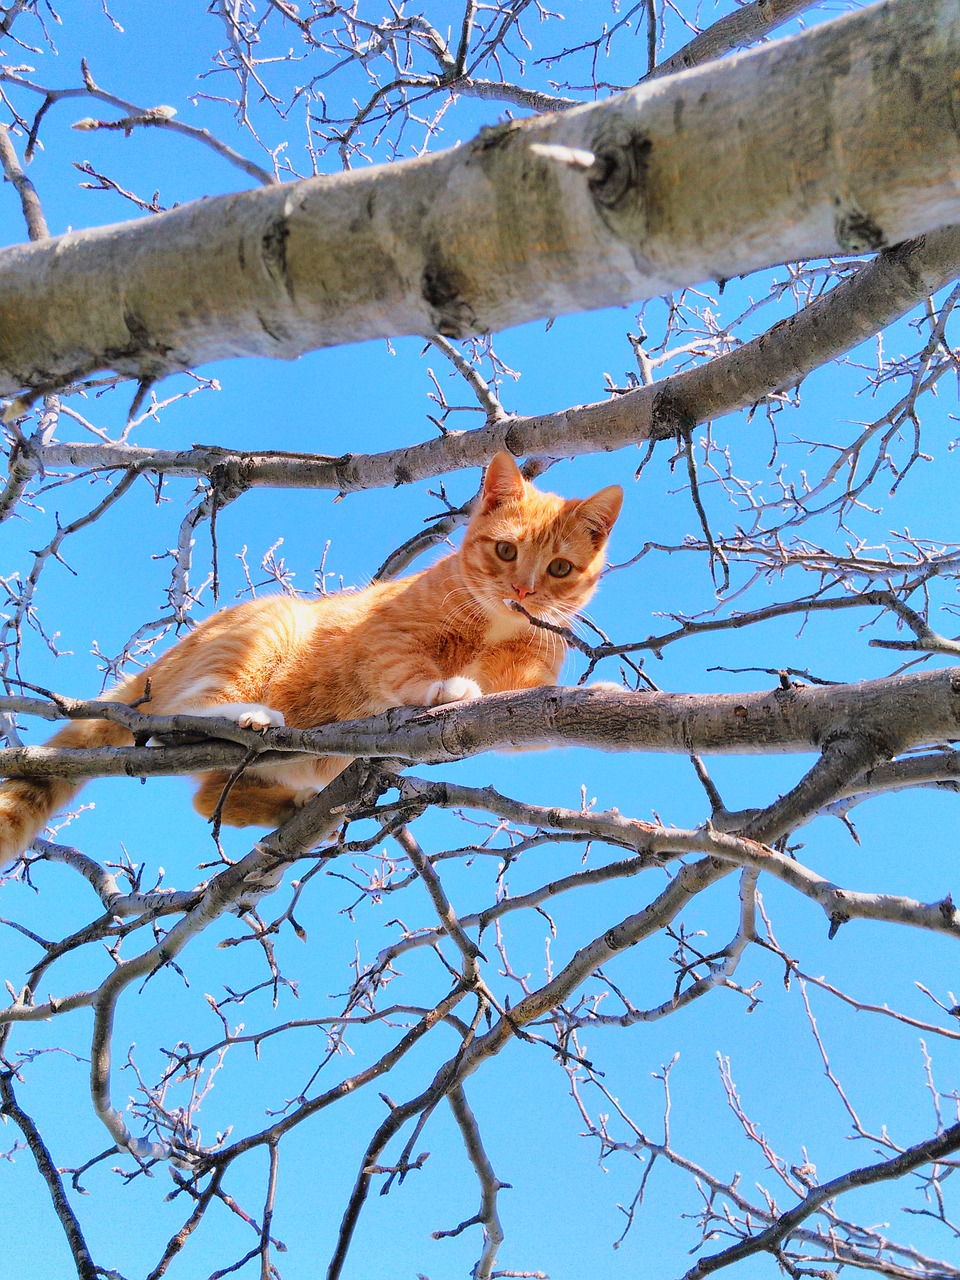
x=28 y=804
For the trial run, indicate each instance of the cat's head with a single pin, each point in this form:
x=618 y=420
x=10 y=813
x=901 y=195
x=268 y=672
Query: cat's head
x=543 y=551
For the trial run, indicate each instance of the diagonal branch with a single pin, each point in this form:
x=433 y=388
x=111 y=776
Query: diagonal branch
x=744 y=26
x=769 y=1241
x=490 y=1185
x=491 y=234
x=86 y=1269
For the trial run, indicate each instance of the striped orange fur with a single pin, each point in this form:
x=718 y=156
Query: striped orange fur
x=442 y=635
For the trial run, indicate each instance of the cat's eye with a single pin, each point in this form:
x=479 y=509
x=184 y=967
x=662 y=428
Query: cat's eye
x=559 y=568
x=506 y=550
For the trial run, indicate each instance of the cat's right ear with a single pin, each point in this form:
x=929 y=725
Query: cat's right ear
x=502 y=482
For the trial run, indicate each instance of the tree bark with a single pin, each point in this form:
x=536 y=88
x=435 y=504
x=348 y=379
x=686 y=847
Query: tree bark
x=882 y=291
x=841 y=140
x=890 y=715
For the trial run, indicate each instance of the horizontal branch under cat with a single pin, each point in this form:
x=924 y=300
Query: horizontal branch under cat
x=893 y=714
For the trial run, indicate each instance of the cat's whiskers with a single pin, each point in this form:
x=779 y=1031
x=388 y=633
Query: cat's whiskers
x=468 y=606
x=584 y=626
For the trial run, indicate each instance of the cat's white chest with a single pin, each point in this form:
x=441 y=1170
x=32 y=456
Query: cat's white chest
x=505 y=626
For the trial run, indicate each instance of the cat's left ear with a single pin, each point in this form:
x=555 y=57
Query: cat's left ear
x=600 y=512
x=502 y=482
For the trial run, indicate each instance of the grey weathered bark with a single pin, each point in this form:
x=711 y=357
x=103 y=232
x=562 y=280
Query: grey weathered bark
x=882 y=291
x=737 y=30
x=892 y=714
x=840 y=140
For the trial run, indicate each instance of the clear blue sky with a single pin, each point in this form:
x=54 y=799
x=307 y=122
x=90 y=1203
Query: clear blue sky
x=561 y=1215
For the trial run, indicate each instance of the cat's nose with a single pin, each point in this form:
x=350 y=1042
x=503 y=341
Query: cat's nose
x=522 y=591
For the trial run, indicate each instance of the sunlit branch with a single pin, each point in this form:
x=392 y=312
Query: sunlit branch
x=776 y=1235
x=886 y=716
x=873 y=297
x=609 y=251
x=86 y=1270
x=736 y=30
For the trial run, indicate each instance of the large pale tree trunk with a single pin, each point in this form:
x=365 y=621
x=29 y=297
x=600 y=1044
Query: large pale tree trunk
x=880 y=292
x=841 y=140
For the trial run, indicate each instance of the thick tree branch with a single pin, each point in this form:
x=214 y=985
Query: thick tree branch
x=880 y=292
x=492 y=234
x=891 y=715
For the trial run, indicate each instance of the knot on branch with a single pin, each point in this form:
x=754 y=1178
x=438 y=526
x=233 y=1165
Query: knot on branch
x=856 y=232
x=230 y=478
x=671 y=416
x=621 y=163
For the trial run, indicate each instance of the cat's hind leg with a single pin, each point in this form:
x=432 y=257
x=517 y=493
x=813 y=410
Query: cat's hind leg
x=250 y=802
x=205 y=697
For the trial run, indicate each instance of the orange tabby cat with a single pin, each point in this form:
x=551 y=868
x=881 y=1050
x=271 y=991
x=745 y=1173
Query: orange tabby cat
x=443 y=635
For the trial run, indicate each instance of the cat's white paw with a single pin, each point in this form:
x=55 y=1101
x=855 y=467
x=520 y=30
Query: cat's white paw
x=606 y=686
x=456 y=689
x=251 y=715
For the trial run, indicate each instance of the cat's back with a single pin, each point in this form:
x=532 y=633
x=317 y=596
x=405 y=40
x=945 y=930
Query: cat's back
x=286 y=620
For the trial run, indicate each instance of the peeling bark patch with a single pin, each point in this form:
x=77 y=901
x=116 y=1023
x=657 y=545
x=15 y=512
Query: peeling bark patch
x=857 y=232
x=273 y=249
x=441 y=287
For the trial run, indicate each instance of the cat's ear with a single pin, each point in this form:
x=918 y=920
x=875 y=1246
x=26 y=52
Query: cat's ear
x=502 y=482
x=600 y=512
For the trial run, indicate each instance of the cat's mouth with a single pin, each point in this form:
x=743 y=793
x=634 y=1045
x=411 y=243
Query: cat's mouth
x=528 y=609
x=520 y=609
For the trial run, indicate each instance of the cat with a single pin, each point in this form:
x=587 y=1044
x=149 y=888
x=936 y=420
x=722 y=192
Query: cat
x=443 y=635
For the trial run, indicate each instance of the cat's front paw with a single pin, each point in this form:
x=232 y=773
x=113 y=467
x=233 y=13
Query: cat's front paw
x=258 y=717
x=607 y=686
x=456 y=689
